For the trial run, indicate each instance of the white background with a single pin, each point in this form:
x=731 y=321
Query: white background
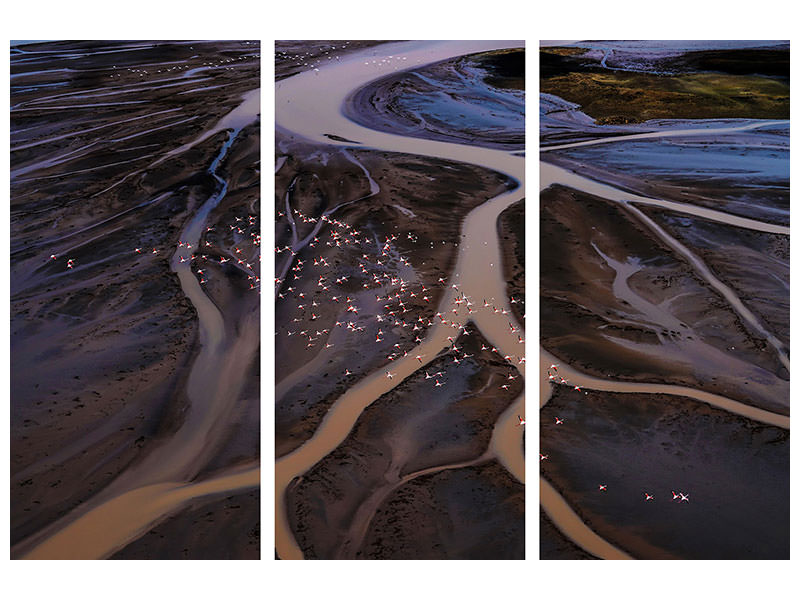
x=389 y=20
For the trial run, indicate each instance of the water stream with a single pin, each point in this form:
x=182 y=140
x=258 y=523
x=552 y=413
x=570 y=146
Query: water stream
x=303 y=111
x=553 y=504
x=155 y=486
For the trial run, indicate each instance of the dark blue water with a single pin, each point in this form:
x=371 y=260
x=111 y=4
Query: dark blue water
x=757 y=161
x=467 y=104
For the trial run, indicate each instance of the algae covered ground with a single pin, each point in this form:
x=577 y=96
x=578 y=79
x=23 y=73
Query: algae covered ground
x=698 y=85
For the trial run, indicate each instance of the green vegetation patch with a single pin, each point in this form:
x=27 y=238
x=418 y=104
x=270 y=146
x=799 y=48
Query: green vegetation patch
x=621 y=97
x=563 y=50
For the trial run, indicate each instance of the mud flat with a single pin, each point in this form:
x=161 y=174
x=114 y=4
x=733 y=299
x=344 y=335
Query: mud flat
x=511 y=230
x=554 y=545
x=418 y=203
x=389 y=230
x=102 y=352
x=415 y=430
x=484 y=508
x=754 y=263
x=477 y=100
x=215 y=529
x=743 y=173
x=660 y=323
x=664 y=360
x=733 y=470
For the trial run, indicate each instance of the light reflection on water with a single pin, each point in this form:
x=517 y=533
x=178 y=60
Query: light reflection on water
x=697 y=157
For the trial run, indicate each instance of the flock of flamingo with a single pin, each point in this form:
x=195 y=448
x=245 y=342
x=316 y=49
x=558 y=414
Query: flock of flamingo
x=556 y=379
x=396 y=297
x=243 y=231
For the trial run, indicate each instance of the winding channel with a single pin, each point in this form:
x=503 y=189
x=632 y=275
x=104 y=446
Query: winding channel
x=557 y=509
x=663 y=133
x=304 y=111
x=158 y=485
x=317 y=117
x=552 y=175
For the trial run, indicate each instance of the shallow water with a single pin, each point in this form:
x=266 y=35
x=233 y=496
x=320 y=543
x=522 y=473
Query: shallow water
x=442 y=100
x=751 y=154
x=706 y=159
x=301 y=110
x=551 y=174
x=131 y=513
x=156 y=485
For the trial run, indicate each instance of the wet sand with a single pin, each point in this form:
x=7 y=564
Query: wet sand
x=753 y=263
x=318 y=519
x=216 y=529
x=554 y=545
x=416 y=429
x=664 y=365
x=511 y=231
x=126 y=165
x=404 y=181
x=733 y=470
x=485 y=510
x=626 y=330
x=476 y=100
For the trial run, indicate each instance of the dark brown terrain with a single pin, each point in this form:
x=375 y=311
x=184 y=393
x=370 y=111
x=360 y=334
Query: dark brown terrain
x=107 y=157
x=664 y=277
x=366 y=243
